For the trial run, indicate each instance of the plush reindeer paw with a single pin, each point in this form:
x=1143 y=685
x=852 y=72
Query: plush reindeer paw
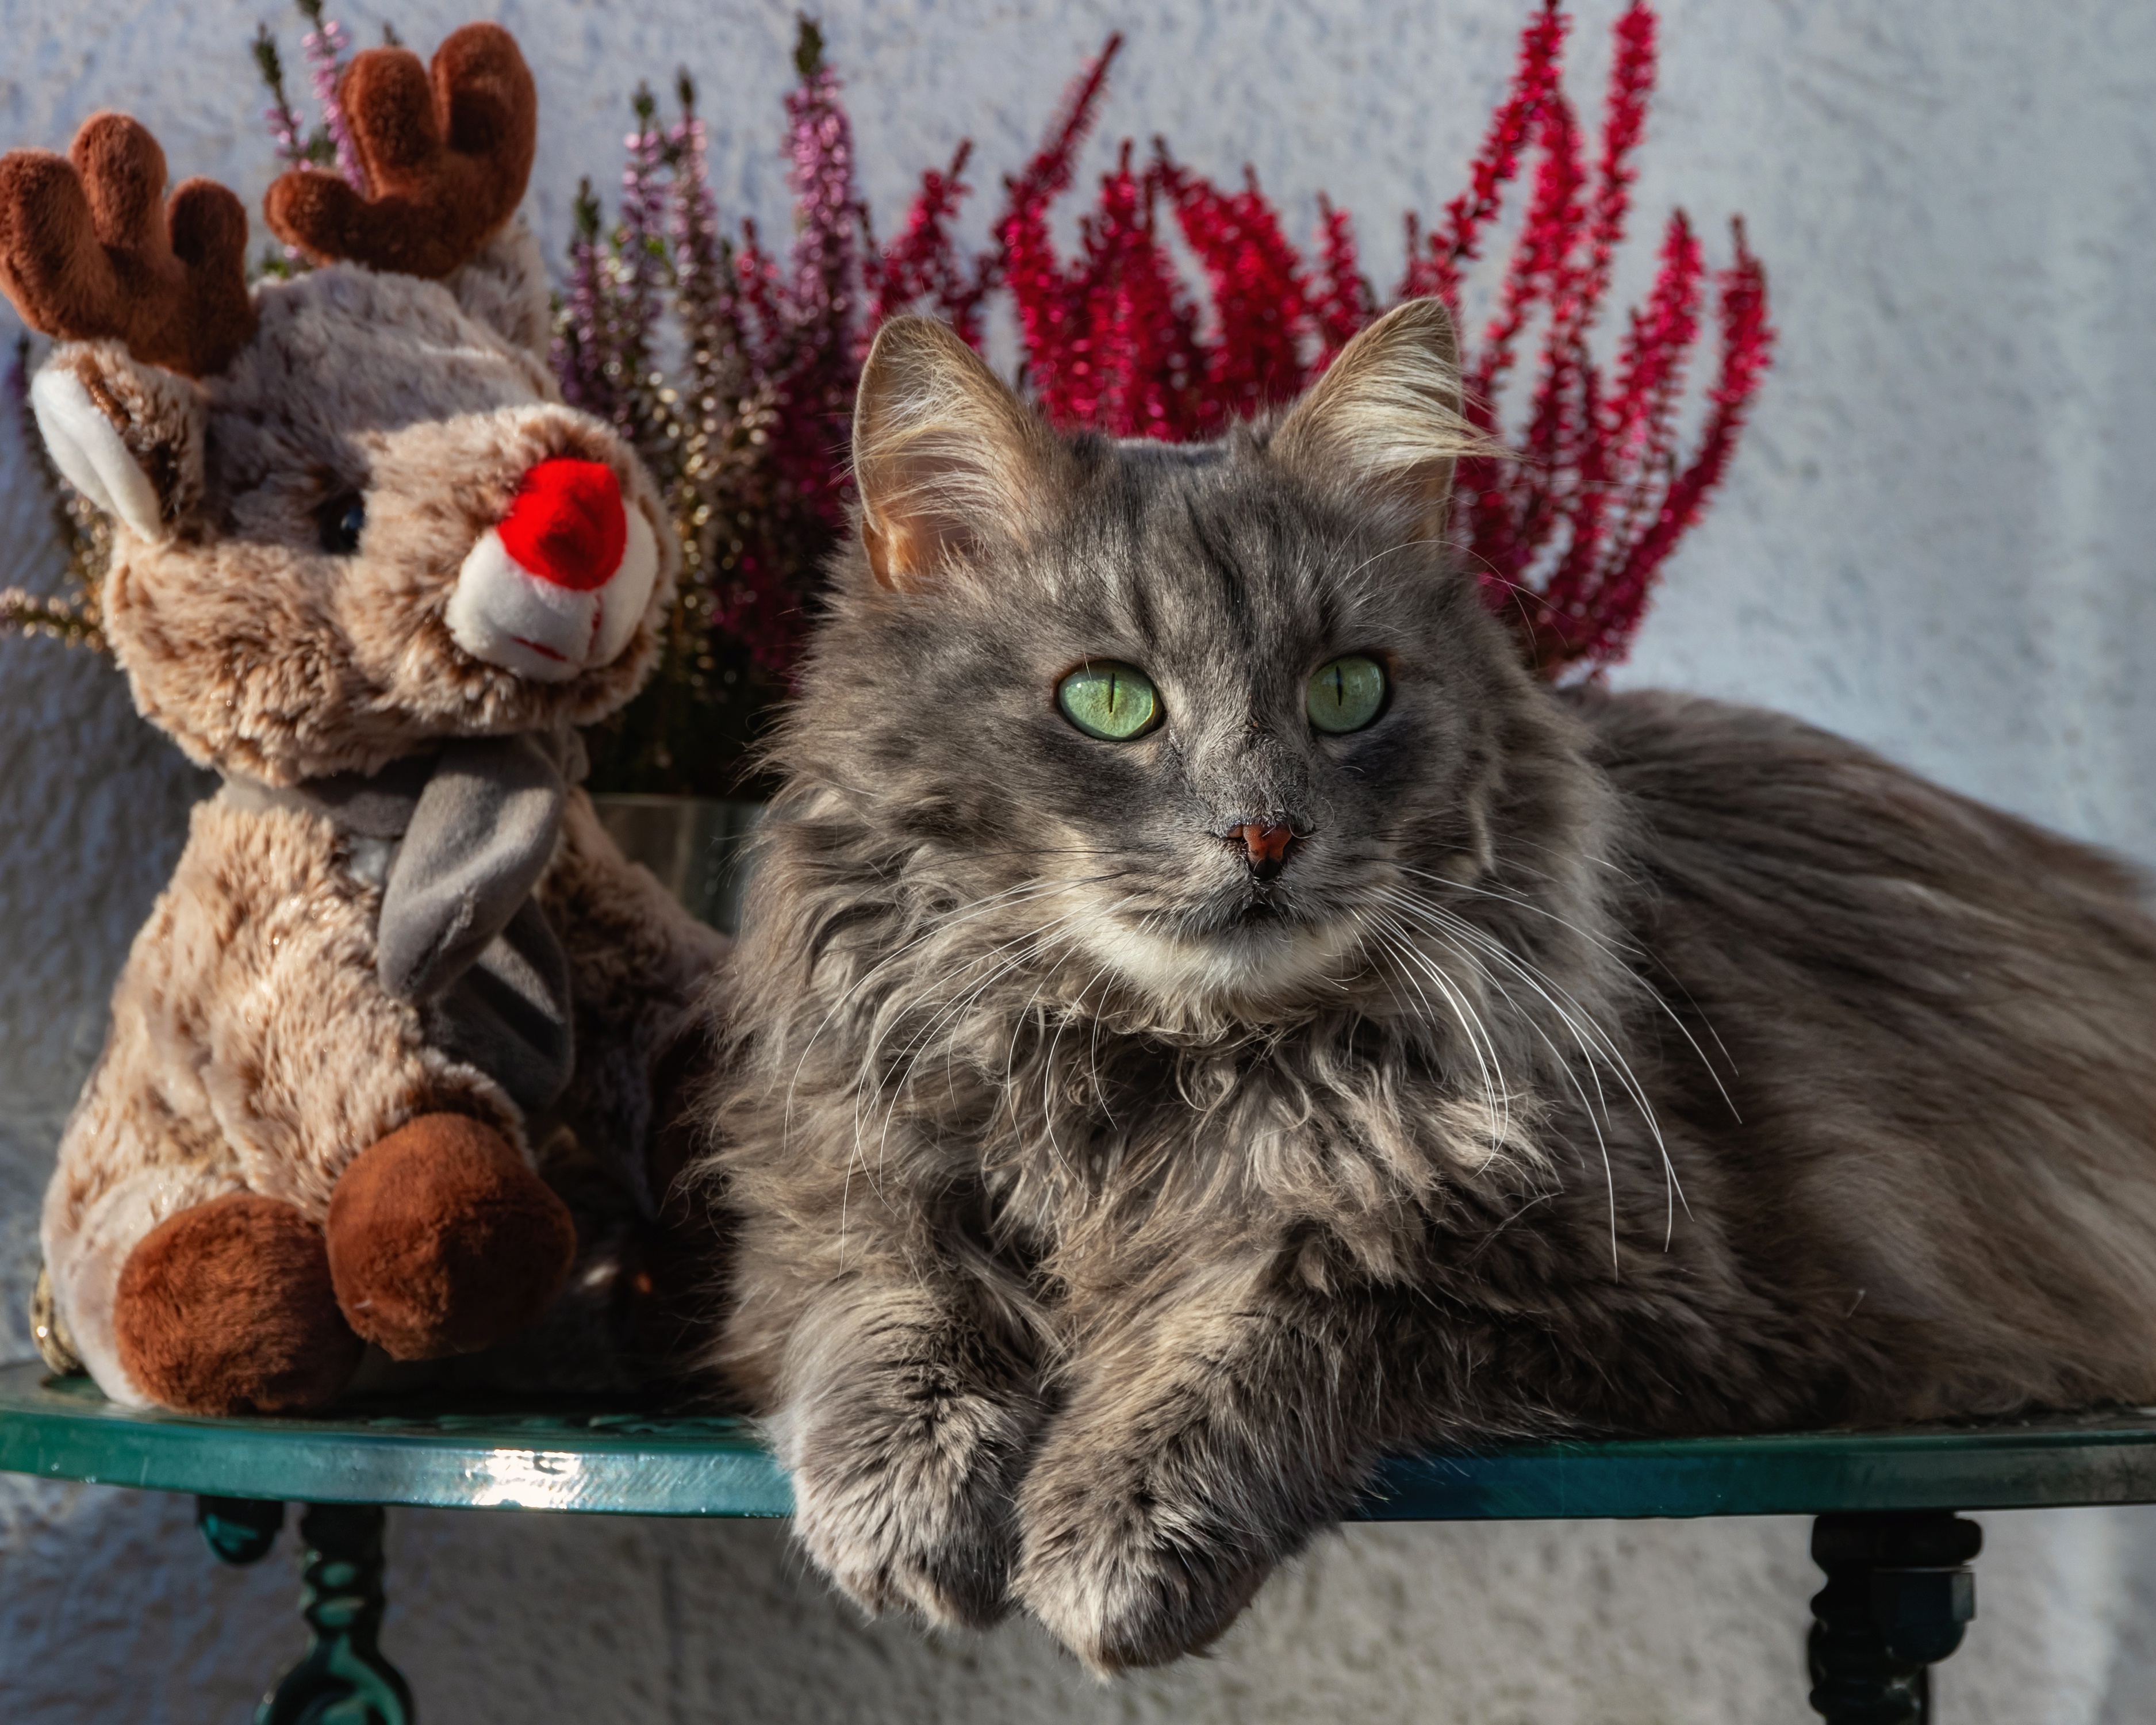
x=227 y=1308
x=1124 y=1563
x=902 y=1490
x=442 y=1241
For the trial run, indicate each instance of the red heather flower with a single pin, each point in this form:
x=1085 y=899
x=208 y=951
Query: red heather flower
x=1566 y=534
x=921 y=270
x=1747 y=341
x=1342 y=301
x=1433 y=269
x=1027 y=263
x=1259 y=295
x=922 y=264
x=1112 y=341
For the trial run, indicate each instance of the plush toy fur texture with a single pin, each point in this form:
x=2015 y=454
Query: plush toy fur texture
x=253 y=1048
x=1109 y=1204
x=441 y=1239
x=229 y=1306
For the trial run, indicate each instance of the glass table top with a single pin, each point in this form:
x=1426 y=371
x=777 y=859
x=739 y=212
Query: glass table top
x=564 y=1457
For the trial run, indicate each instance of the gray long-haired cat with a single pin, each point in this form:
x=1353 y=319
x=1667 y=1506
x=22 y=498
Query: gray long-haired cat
x=1208 y=1017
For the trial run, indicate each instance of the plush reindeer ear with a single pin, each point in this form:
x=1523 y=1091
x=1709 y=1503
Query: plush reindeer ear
x=944 y=454
x=144 y=293
x=1385 y=422
x=128 y=436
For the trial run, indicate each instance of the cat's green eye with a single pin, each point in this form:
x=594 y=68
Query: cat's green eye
x=1346 y=694
x=1114 y=702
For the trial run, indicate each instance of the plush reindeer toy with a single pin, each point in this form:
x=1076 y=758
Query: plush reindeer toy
x=368 y=567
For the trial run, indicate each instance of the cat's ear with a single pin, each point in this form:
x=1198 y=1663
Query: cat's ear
x=944 y=454
x=1384 y=421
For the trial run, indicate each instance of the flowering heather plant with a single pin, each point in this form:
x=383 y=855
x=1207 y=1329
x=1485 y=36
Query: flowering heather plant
x=287 y=130
x=1567 y=527
x=746 y=430
x=1566 y=523
x=732 y=366
x=327 y=48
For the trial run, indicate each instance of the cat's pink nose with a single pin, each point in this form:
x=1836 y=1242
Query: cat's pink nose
x=1266 y=845
x=1266 y=840
x=567 y=525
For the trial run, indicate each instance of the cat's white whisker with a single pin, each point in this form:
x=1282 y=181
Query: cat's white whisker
x=1624 y=953
x=1048 y=1065
x=1028 y=945
x=1594 y=1112
x=1471 y=1022
x=895 y=1009
x=1594 y=1041
x=1601 y=1047
x=1024 y=894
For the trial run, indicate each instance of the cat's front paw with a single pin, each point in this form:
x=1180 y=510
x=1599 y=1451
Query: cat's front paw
x=1125 y=1563
x=903 y=1493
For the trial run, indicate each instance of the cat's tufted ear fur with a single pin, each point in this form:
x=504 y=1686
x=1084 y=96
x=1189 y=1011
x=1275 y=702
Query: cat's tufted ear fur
x=945 y=456
x=128 y=436
x=1385 y=421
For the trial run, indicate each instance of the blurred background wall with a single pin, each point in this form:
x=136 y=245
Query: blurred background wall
x=1936 y=538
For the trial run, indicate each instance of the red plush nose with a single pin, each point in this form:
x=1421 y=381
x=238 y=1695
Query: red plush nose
x=567 y=525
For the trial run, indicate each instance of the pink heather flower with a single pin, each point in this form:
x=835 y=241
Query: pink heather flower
x=325 y=46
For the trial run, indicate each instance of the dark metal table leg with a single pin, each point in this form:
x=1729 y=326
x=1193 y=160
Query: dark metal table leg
x=1898 y=1596
x=343 y=1680
x=239 y=1530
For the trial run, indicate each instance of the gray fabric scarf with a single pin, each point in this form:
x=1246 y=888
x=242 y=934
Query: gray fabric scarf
x=459 y=839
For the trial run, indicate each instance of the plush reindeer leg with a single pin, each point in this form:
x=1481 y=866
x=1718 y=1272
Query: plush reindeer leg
x=177 y=1284
x=441 y=1241
x=226 y=1308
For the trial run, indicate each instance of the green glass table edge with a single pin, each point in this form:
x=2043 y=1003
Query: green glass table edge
x=635 y=1465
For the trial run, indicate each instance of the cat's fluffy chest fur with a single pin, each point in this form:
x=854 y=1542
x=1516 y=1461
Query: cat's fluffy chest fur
x=1141 y=1118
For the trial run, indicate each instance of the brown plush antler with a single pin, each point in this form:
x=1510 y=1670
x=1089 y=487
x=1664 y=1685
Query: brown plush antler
x=446 y=164
x=88 y=249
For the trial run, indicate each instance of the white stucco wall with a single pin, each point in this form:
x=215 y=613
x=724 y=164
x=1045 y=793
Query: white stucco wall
x=1936 y=539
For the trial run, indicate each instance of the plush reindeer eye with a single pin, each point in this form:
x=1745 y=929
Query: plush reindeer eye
x=1114 y=702
x=341 y=521
x=1346 y=694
